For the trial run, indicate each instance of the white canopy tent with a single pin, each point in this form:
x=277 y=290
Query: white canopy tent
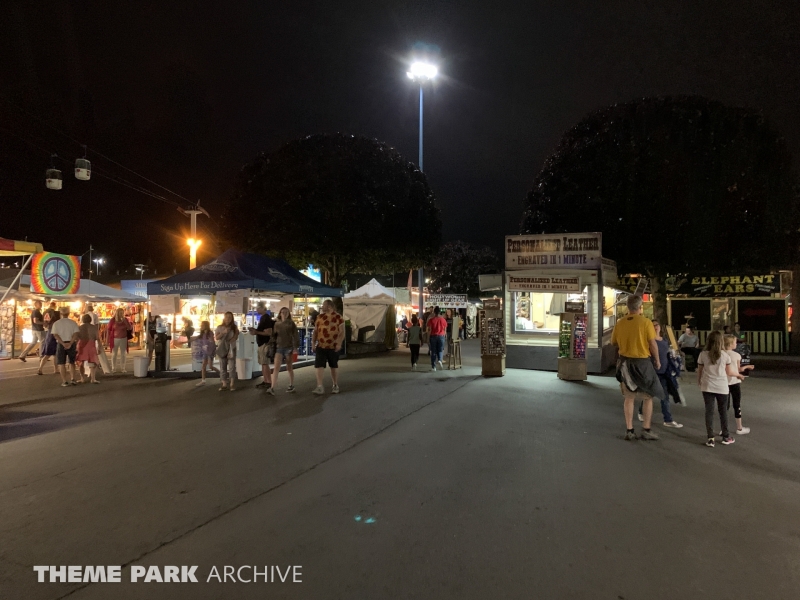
x=89 y=291
x=366 y=308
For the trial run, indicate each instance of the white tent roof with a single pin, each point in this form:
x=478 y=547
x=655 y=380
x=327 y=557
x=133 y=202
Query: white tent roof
x=372 y=293
x=90 y=290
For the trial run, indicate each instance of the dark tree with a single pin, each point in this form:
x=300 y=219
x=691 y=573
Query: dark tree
x=674 y=184
x=345 y=204
x=456 y=268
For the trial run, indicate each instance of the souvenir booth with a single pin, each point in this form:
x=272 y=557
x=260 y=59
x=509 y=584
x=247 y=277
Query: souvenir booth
x=559 y=304
x=11 y=296
x=235 y=282
x=757 y=301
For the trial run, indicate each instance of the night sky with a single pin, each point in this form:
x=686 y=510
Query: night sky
x=186 y=92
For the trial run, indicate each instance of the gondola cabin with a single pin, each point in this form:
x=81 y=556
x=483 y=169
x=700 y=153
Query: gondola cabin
x=53 y=179
x=83 y=169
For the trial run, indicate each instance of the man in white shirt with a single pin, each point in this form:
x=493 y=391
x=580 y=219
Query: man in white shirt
x=90 y=311
x=65 y=330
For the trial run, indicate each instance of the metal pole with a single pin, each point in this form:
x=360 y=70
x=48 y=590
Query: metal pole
x=90 y=261
x=420 y=274
x=14 y=282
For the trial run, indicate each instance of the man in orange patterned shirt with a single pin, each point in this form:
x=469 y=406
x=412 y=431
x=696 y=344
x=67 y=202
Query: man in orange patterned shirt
x=327 y=341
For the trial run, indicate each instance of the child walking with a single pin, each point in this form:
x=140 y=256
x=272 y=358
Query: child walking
x=206 y=348
x=714 y=369
x=735 y=383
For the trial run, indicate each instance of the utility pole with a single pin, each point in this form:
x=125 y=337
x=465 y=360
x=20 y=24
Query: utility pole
x=193 y=242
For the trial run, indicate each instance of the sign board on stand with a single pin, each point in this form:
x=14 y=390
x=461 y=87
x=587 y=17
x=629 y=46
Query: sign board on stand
x=168 y=304
x=447 y=300
x=231 y=301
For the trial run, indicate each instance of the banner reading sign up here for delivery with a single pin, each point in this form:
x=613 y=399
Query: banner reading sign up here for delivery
x=544 y=284
x=557 y=250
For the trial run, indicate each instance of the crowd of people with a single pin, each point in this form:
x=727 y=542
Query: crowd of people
x=76 y=347
x=647 y=369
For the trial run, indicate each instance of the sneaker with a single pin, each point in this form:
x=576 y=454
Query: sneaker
x=441 y=366
x=433 y=368
x=270 y=391
x=743 y=431
x=263 y=384
x=682 y=397
x=22 y=358
x=674 y=424
x=727 y=441
x=414 y=367
x=319 y=390
x=648 y=435
x=65 y=384
x=710 y=442
x=199 y=383
x=290 y=389
x=335 y=389
x=641 y=418
x=73 y=382
x=630 y=436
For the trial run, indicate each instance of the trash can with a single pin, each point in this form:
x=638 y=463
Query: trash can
x=162 y=351
x=244 y=370
x=140 y=366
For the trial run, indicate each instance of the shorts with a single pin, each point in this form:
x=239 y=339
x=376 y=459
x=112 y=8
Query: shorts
x=66 y=355
x=285 y=351
x=263 y=351
x=326 y=355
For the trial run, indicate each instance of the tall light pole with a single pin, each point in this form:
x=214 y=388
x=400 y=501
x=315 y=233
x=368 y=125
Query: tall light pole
x=98 y=262
x=421 y=72
x=193 y=242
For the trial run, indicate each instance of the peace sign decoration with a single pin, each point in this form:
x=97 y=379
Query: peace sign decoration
x=55 y=274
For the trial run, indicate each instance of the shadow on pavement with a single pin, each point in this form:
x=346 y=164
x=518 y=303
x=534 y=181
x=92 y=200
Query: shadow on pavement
x=300 y=410
x=15 y=425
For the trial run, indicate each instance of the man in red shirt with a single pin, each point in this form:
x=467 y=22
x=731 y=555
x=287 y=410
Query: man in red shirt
x=437 y=328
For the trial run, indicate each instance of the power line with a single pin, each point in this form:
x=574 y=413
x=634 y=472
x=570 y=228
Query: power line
x=95 y=171
x=85 y=147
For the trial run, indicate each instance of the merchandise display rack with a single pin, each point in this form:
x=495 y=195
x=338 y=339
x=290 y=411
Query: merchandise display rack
x=572 y=340
x=493 y=341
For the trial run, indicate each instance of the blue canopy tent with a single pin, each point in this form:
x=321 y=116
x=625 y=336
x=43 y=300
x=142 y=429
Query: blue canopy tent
x=234 y=270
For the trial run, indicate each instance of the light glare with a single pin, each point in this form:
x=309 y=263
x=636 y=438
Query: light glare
x=422 y=70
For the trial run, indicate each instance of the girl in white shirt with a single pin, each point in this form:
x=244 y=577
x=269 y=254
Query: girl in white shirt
x=735 y=383
x=714 y=369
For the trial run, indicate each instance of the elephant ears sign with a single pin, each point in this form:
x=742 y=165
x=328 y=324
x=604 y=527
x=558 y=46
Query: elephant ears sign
x=55 y=274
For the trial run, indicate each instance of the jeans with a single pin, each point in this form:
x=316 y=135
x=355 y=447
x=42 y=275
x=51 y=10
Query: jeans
x=666 y=386
x=436 y=344
x=414 y=353
x=721 y=400
x=118 y=354
x=227 y=368
x=694 y=353
x=38 y=338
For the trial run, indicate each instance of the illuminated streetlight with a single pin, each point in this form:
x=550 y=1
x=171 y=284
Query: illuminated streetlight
x=193 y=246
x=421 y=72
x=98 y=262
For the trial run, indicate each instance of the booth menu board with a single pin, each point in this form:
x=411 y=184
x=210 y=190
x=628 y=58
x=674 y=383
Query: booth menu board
x=493 y=343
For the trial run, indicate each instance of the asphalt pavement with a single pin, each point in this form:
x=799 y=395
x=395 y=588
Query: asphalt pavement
x=406 y=485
